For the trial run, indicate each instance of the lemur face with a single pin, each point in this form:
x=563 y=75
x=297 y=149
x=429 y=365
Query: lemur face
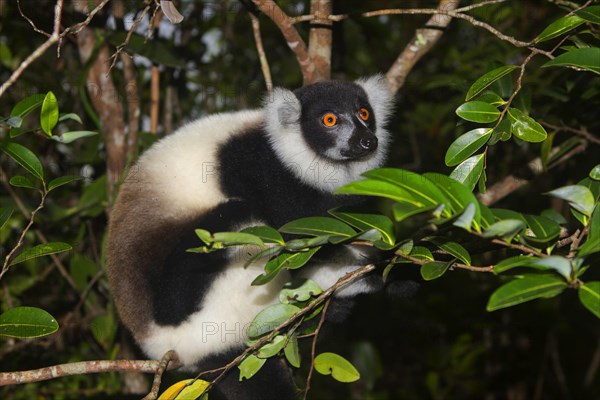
x=337 y=120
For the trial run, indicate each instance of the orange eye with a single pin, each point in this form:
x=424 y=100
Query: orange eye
x=329 y=119
x=363 y=113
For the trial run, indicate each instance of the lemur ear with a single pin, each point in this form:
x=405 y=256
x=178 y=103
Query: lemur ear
x=283 y=107
x=380 y=96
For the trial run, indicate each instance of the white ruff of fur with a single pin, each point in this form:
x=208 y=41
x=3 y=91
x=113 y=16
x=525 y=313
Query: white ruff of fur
x=305 y=163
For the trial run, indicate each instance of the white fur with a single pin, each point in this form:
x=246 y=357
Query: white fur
x=182 y=170
x=306 y=164
x=230 y=306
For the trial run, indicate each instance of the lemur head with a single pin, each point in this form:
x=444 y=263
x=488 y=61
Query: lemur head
x=332 y=125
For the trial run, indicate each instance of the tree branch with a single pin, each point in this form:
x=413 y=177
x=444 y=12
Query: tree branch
x=320 y=38
x=422 y=42
x=292 y=37
x=264 y=64
x=79 y=368
x=55 y=37
x=511 y=183
x=105 y=98
x=169 y=359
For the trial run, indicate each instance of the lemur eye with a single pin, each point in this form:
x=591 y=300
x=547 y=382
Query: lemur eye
x=363 y=113
x=329 y=119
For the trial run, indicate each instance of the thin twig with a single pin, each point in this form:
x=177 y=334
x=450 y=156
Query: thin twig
x=593 y=368
x=169 y=359
x=581 y=132
x=32 y=215
x=264 y=64
x=423 y=40
x=314 y=348
x=35 y=28
x=128 y=37
x=55 y=37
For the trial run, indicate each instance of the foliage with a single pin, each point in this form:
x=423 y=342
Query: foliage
x=475 y=110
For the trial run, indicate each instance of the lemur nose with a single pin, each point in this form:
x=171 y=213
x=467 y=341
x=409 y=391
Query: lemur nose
x=368 y=143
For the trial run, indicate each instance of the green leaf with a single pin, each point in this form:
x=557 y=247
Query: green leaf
x=237 y=239
x=578 y=196
x=469 y=171
x=526 y=128
x=514 y=262
x=285 y=260
x=72 y=116
x=506 y=229
x=306 y=243
x=559 y=27
x=14 y=122
x=586 y=58
x=465 y=145
x=366 y=222
x=546 y=149
x=318 y=226
x=492 y=98
x=273 y=347
x=458 y=194
x=595 y=172
x=487 y=79
x=590 y=14
x=372 y=187
x=589 y=295
x=592 y=243
x=204 y=235
x=5 y=214
x=422 y=253
x=466 y=219
x=62 y=180
x=266 y=233
x=185 y=390
x=41 y=250
x=27 y=105
x=406 y=247
x=25 y=157
x=250 y=366
x=402 y=211
x=543 y=229
x=292 y=352
x=501 y=132
x=564 y=147
x=420 y=189
x=21 y=181
x=49 y=113
x=557 y=263
x=435 y=269
x=71 y=136
x=487 y=217
x=270 y=318
x=451 y=248
x=27 y=322
x=554 y=216
x=340 y=369
x=528 y=288
x=478 y=111
x=299 y=290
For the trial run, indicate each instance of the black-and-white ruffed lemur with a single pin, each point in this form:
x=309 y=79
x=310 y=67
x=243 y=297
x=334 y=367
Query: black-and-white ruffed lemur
x=222 y=172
